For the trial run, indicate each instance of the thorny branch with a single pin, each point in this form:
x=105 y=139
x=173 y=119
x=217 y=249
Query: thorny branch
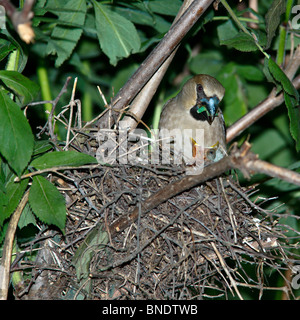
x=21 y=19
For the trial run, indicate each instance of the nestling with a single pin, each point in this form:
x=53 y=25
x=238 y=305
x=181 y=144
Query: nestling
x=196 y=106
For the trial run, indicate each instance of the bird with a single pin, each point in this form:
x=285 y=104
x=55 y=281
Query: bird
x=196 y=106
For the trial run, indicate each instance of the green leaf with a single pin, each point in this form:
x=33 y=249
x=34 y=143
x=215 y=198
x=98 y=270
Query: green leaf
x=281 y=77
x=41 y=146
x=6 y=47
x=294 y=115
x=14 y=193
x=291 y=98
x=207 y=63
x=64 y=37
x=117 y=36
x=47 y=203
x=242 y=42
x=271 y=146
x=226 y=30
x=234 y=101
x=96 y=238
x=3 y=232
x=231 y=37
x=260 y=37
x=3 y=203
x=21 y=54
x=250 y=73
x=16 y=138
x=27 y=217
x=165 y=7
x=145 y=18
x=122 y=75
x=25 y=89
x=62 y=159
x=273 y=19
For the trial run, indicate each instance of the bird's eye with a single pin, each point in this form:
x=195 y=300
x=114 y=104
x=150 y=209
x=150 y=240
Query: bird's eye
x=199 y=89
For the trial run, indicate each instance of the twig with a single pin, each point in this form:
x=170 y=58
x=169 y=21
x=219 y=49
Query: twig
x=273 y=171
x=241 y=26
x=293 y=64
x=55 y=170
x=233 y=283
x=170 y=191
x=71 y=105
x=253 y=4
x=230 y=211
x=161 y=52
x=51 y=114
x=246 y=197
x=143 y=246
x=8 y=247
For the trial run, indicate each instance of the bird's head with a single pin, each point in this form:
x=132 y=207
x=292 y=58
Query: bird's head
x=201 y=95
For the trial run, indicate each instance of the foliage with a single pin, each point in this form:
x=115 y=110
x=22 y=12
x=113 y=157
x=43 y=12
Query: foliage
x=103 y=42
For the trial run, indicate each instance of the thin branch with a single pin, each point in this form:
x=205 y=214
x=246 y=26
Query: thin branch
x=224 y=265
x=144 y=245
x=8 y=247
x=51 y=115
x=54 y=170
x=71 y=105
x=258 y=112
x=170 y=191
x=293 y=64
x=156 y=58
x=241 y=26
x=273 y=171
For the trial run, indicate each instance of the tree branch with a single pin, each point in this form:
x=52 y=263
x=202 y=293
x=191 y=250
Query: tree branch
x=8 y=247
x=54 y=102
x=141 y=102
x=258 y=112
x=156 y=58
x=268 y=104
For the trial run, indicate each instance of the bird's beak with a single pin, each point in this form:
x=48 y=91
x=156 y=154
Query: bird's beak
x=210 y=119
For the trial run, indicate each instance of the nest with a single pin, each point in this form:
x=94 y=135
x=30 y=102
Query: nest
x=210 y=241
x=176 y=251
x=202 y=243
